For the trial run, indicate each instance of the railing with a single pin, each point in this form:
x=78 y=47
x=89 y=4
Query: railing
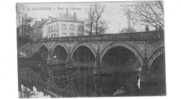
x=151 y=35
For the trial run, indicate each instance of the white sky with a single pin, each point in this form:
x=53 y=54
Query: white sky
x=113 y=12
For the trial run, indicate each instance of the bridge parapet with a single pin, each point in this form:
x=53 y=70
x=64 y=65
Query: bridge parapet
x=137 y=36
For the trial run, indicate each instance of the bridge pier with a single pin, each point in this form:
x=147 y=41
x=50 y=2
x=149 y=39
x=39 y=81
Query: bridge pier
x=68 y=60
x=50 y=56
x=96 y=71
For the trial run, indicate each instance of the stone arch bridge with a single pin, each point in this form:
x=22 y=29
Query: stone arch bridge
x=144 y=46
x=108 y=54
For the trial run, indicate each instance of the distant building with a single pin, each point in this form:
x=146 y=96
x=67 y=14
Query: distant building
x=64 y=25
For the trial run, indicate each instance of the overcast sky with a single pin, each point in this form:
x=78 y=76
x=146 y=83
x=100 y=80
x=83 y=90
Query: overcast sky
x=114 y=12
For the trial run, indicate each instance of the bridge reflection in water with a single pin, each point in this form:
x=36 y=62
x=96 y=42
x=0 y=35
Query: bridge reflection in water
x=86 y=72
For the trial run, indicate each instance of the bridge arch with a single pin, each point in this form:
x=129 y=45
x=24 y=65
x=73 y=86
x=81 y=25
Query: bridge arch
x=83 y=52
x=37 y=47
x=123 y=62
x=122 y=45
x=60 y=52
x=61 y=45
x=41 y=53
x=158 y=52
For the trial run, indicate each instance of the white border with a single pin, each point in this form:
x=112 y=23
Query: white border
x=8 y=70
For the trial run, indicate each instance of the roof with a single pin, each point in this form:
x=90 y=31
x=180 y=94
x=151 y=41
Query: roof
x=64 y=20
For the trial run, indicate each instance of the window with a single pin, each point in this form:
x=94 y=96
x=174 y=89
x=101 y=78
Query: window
x=56 y=35
x=80 y=28
x=71 y=34
x=49 y=36
x=57 y=27
x=64 y=34
x=49 y=29
x=72 y=27
x=53 y=28
x=64 y=27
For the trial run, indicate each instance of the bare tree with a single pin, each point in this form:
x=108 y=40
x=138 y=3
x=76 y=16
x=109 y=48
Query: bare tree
x=96 y=25
x=37 y=29
x=148 y=13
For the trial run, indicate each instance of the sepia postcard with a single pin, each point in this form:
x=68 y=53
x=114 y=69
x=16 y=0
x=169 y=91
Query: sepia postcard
x=91 y=49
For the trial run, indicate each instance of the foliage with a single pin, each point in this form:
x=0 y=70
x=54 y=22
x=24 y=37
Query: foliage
x=37 y=29
x=23 y=34
x=24 y=31
x=148 y=13
x=96 y=25
x=27 y=93
x=30 y=78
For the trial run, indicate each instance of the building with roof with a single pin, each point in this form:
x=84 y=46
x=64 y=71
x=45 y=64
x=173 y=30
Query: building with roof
x=65 y=25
